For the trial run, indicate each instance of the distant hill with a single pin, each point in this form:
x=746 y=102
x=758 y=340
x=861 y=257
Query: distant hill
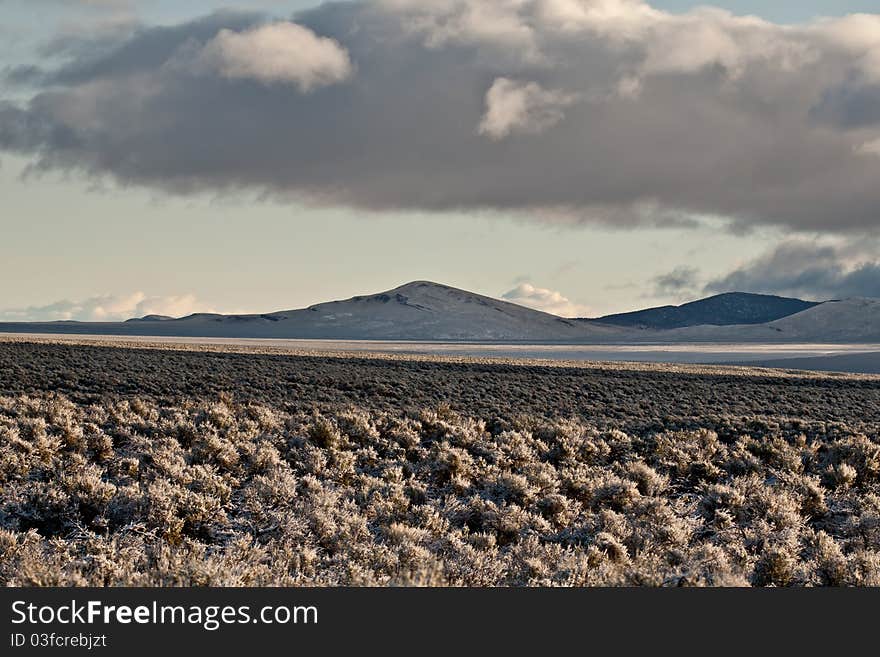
x=854 y=320
x=423 y=311
x=416 y=311
x=728 y=309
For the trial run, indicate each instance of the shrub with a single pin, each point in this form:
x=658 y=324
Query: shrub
x=480 y=481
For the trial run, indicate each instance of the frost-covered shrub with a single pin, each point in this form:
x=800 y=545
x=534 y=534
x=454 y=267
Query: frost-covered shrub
x=280 y=471
x=220 y=493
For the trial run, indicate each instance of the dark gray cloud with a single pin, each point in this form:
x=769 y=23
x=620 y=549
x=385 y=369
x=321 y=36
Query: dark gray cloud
x=680 y=282
x=808 y=270
x=23 y=74
x=851 y=105
x=565 y=110
x=134 y=49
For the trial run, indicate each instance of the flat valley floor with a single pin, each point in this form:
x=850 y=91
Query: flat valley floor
x=183 y=465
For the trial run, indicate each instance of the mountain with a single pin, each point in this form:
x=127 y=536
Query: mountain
x=847 y=321
x=416 y=311
x=836 y=321
x=728 y=309
x=425 y=311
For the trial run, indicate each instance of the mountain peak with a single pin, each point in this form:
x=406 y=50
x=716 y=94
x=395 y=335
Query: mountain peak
x=426 y=310
x=425 y=286
x=150 y=318
x=739 y=295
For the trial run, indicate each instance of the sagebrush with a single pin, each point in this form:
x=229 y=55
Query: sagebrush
x=206 y=487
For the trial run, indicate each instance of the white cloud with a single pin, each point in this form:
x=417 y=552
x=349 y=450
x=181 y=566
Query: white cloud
x=108 y=308
x=858 y=35
x=280 y=52
x=513 y=106
x=497 y=25
x=871 y=147
x=620 y=18
x=548 y=301
x=663 y=42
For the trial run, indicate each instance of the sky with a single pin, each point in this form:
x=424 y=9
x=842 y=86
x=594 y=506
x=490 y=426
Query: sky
x=578 y=156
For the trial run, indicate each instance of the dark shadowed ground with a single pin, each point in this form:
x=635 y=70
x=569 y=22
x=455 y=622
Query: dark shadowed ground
x=611 y=394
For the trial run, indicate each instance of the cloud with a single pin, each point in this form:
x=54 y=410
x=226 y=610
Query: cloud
x=869 y=147
x=88 y=4
x=496 y=27
x=521 y=107
x=808 y=269
x=105 y=4
x=680 y=282
x=280 y=52
x=107 y=308
x=548 y=301
x=97 y=3
x=633 y=115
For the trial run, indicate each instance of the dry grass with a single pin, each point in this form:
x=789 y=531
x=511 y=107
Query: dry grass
x=163 y=468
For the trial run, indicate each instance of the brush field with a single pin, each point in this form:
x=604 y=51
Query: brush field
x=200 y=466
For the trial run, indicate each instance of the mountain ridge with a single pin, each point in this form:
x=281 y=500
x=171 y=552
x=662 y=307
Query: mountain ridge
x=853 y=320
x=424 y=311
x=726 y=309
x=417 y=311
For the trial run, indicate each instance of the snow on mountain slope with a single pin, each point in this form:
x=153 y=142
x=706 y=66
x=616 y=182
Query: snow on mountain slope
x=835 y=321
x=850 y=320
x=429 y=311
x=416 y=311
x=424 y=311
